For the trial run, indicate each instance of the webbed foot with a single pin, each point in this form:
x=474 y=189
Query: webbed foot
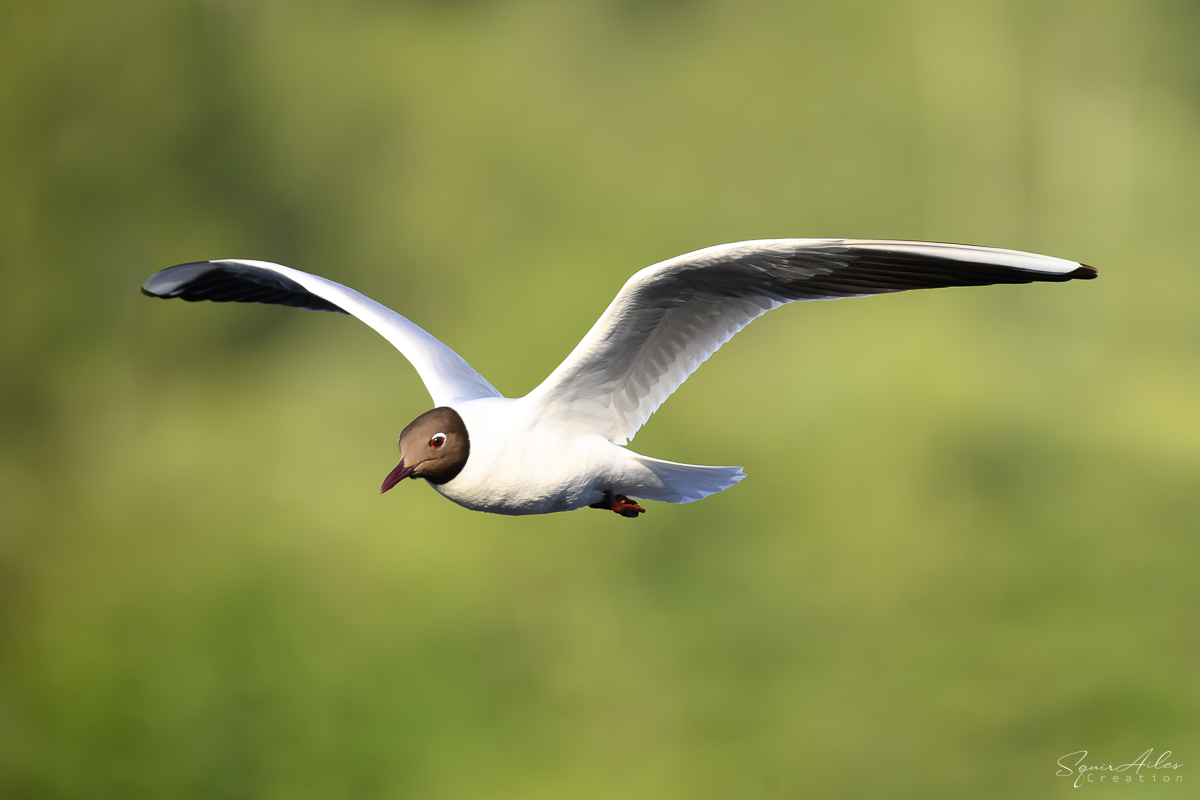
x=620 y=504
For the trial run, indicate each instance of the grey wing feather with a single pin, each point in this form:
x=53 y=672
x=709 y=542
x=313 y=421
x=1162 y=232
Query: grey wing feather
x=448 y=377
x=671 y=317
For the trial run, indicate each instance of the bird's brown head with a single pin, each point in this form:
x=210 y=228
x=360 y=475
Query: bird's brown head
x=434 y=446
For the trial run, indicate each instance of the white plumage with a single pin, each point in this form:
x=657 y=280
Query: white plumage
x=561 y=447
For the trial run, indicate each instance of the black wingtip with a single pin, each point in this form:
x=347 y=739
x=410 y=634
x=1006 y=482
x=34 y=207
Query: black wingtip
x=1084 y=273
x=167 y=283
x=233 y=282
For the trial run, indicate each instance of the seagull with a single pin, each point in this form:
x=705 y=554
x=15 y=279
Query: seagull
x=562 y=446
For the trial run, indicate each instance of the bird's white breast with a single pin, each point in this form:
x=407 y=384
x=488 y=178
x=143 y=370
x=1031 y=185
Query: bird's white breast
x=522 y=464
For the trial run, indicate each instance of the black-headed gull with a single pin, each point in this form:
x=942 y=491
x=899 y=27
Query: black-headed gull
x=560 y=447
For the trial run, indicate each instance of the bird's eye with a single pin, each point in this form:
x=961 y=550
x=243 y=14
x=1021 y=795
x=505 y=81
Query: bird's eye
x=437 y=441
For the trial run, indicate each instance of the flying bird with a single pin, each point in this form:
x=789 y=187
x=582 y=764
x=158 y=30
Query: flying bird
x=561 y=447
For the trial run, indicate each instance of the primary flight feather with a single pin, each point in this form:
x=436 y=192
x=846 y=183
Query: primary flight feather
x=560 y=447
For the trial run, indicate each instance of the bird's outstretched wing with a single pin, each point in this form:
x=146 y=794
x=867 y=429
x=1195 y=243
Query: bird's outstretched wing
x=446 y=375
x=670 y=317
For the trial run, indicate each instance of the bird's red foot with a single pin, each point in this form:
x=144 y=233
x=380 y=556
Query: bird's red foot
x=620 y=504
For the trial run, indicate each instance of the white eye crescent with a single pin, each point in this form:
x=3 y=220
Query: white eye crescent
x=437 y=440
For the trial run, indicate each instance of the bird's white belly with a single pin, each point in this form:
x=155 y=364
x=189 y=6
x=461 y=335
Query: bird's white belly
x=520 y=465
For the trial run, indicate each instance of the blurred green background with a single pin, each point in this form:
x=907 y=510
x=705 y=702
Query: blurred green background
x=968 y=542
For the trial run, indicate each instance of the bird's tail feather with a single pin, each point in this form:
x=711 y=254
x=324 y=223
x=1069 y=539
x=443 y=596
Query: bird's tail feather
x=683 y=483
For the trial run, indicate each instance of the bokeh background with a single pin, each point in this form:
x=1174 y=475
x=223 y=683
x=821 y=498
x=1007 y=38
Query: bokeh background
x=968 y=544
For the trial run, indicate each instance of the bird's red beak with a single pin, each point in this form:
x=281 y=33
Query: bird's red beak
x=395 y=476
